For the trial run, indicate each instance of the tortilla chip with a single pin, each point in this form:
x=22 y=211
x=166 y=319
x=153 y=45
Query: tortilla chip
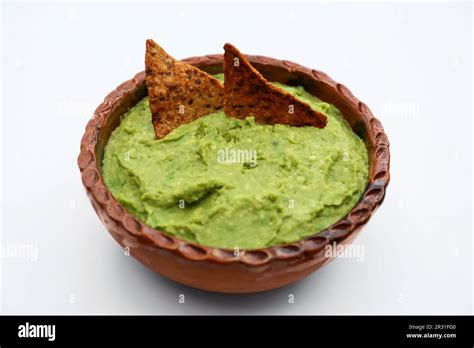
x=247 y=92
x=178 y=92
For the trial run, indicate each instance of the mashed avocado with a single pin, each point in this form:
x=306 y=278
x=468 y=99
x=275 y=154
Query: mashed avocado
x=230 y=183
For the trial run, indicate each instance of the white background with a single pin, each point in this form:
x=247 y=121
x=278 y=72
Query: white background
x=411 y=63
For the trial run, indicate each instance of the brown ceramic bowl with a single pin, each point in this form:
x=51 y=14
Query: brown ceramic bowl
x=217 y=269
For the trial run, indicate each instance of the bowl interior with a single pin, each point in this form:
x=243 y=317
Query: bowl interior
x=113 y=120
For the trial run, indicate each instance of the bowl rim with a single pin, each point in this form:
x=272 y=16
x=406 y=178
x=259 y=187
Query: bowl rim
x=374 y=194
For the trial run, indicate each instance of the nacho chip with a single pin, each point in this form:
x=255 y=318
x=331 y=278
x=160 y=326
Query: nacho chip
x=178 y=92
x=247 y=92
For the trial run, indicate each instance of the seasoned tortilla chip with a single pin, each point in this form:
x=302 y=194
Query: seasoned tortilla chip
x=247 y=92
x=178 y=92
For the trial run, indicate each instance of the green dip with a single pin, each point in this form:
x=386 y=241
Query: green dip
x=230 y=183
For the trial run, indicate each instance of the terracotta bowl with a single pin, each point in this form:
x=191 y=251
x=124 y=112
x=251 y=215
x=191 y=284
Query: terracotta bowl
x=223 y=270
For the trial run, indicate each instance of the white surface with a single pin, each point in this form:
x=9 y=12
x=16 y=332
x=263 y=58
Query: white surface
x=411 y=63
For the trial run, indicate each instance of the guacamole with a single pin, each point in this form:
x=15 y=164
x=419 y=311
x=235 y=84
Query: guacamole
x=231 y=183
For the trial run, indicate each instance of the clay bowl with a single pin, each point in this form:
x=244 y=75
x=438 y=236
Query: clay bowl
x=221 y=270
